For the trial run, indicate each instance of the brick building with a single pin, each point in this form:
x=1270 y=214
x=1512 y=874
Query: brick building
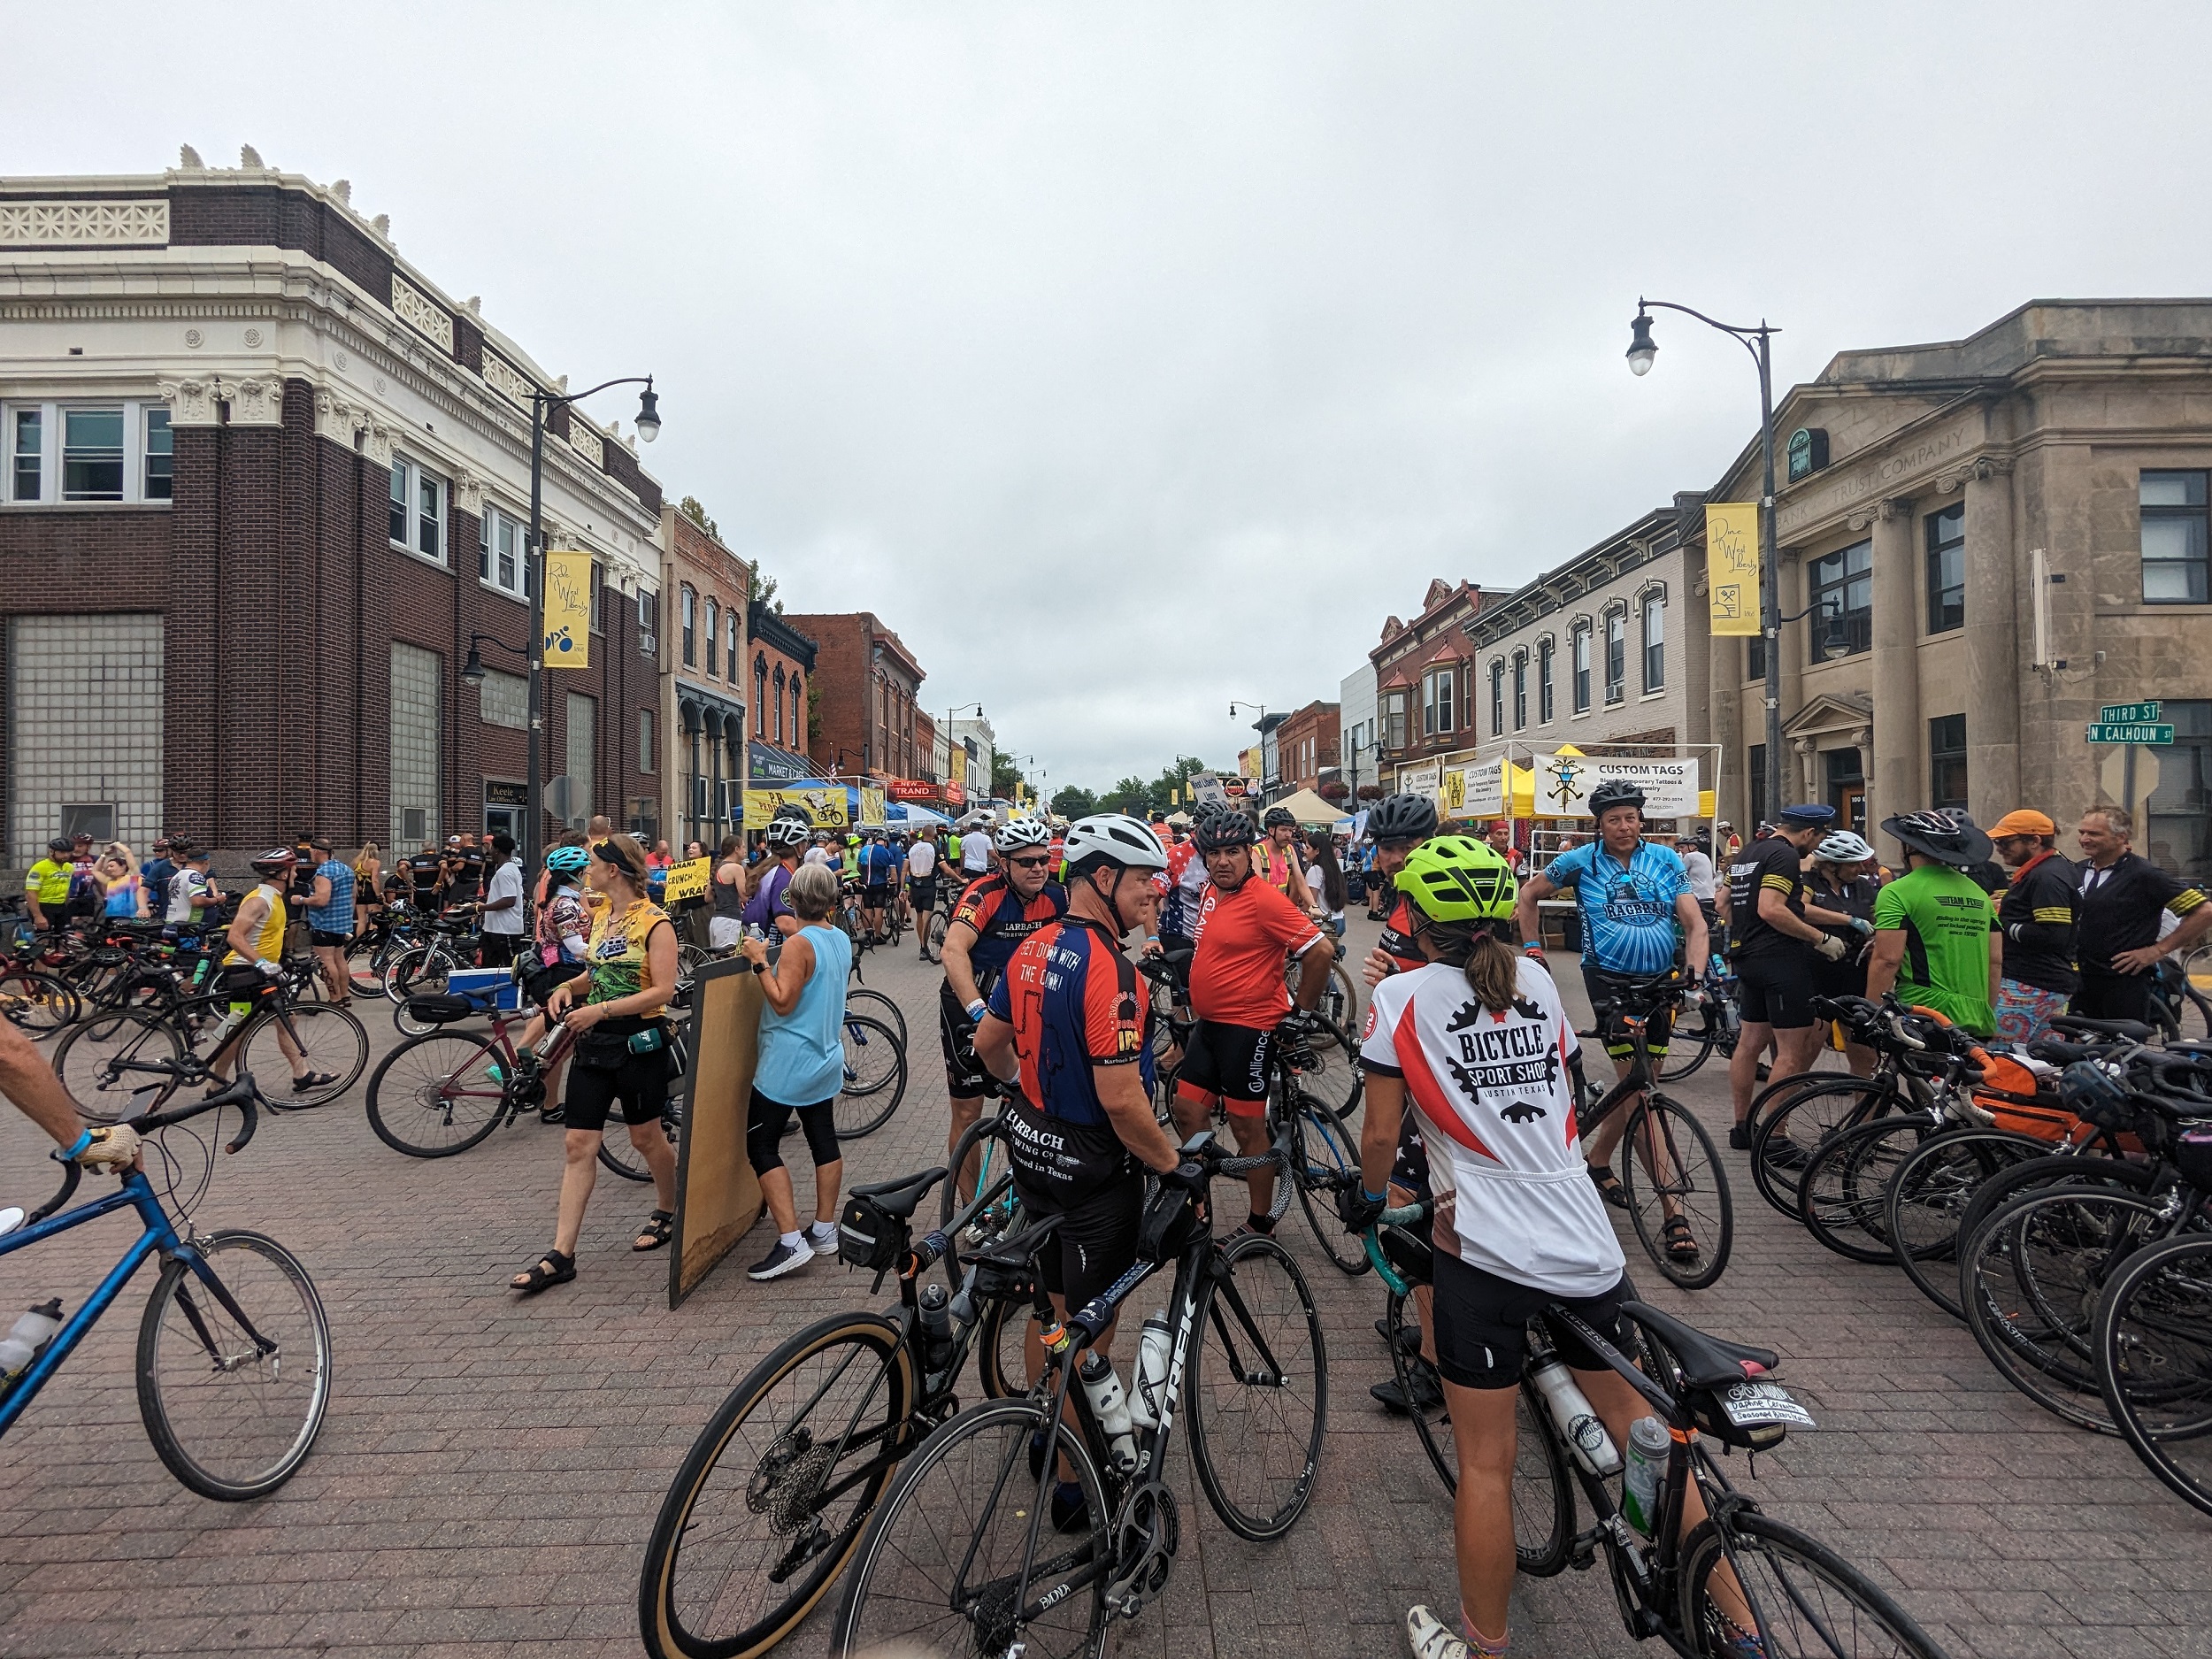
x=783 y=669
x=264 y=484
x=1424 y=700
x=866 y=685
x=703 y=706
x=1306 y=746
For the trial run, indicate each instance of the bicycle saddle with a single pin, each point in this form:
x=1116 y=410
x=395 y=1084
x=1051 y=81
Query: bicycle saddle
x=1707 y=1361
x=2134 y=1029
x=898 y=1198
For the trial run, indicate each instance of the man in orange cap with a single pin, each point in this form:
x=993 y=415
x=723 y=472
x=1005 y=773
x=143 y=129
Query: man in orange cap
x=2036 y=916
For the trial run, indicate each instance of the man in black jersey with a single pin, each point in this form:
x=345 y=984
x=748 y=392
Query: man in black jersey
x=2036 y=915
x=2121 y=898
x=1774 y=949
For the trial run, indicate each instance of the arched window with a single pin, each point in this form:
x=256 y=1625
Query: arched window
x=691 y=626
x=714 y=613
x=1520 y=690
x=798 y=703
x=760 y=691
x=780 y=696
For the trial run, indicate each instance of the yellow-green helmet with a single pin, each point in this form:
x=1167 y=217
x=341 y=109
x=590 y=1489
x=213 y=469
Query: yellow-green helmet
x=1458 y=878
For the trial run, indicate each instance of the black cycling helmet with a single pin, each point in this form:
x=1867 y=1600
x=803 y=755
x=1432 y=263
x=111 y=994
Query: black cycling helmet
x=61 y=844
x=1947 y=836
x=1222 y=831
x=1279 y=817
x=1617 y=792
x=1401 y=818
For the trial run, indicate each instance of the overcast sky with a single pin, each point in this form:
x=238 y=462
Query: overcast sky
x=1129 y=358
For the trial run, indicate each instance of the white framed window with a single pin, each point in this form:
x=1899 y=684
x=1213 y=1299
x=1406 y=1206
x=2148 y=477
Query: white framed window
x=1438 y=702
x=502 y=556
x=68 y=454
x=648 y=621
x=1655 y=643
x=418 y=509
x=714 y=617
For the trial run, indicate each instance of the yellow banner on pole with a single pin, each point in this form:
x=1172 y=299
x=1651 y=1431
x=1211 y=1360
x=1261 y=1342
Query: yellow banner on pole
x=825 y=808
x=871 y=807
x=1732 y=566
x=688 y=881
x=567 y=642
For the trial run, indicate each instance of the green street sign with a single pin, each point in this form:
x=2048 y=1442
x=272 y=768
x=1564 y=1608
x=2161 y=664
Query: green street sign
x=2116 y=732
x=2129 y=714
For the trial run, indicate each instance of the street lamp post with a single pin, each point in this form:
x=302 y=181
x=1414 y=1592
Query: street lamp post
x=953 y=746
x=1642 y=349
x=1259 y=725
x=542 y=404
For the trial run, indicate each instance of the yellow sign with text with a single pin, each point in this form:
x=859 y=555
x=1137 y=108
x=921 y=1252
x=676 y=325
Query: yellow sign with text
x=1732 y=566
x=567 y=641
x=824 y=807
x=688 y=880
x=1452 y=790
x=870 y=808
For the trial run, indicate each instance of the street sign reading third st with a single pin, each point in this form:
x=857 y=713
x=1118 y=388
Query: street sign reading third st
x=2128 y=714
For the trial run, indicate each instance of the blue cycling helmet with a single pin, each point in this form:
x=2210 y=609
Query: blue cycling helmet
x=568 y=861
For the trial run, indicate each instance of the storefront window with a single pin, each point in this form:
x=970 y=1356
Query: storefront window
x=2179 y=833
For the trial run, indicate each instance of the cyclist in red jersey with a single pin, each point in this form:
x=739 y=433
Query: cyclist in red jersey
x=1246 y=931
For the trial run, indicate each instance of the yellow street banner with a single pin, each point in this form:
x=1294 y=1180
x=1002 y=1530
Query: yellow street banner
x=567 y=640
x=688 y=880
x=1452 y=790
x=1732 y=566
x=825 y=808
x=871 y=807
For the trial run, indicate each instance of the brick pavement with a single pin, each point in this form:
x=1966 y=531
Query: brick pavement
x=490 y=1469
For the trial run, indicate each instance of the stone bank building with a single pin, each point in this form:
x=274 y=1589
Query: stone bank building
x=262 y=484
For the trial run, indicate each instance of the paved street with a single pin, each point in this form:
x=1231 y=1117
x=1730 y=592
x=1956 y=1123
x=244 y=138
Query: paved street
x=490 y=1468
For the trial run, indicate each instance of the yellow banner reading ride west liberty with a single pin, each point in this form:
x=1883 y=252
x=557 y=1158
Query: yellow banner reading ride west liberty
x=1732 y=566
x=567 y=640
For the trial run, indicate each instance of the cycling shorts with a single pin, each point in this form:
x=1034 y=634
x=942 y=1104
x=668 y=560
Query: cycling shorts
x=1080 y=1172
x=965 y=1077
x=1480 y=1323
x=876 y=894
x=1232 y=1062
x=539 y=984
x=1776 y=987
x=1602 y=986
x=322 y=941
x=640 y=1082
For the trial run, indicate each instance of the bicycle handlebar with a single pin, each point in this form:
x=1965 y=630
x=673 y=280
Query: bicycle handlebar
x=241 y=1093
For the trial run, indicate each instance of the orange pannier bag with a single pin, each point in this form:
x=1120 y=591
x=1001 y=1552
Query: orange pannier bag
x=2018 y=1098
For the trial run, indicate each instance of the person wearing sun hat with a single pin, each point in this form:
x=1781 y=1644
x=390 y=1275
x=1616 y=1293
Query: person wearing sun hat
x=1936 y=941
x=2035 y=913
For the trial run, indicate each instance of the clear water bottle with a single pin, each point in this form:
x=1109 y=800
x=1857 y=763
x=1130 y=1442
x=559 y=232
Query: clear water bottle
x=1111 y=1407
x=1152 y=1357
x=936 y=1328
x=31 y=1332
x=1647 y=1447
x=1586 y=1436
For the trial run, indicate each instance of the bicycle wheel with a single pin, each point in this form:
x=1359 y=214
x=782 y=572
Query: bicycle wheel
x=1673 y=1169
x=93 y=1061
x=1928 y=1194
x=1001 y=1345
x=231 y=1417
x=1328 y=1072
x=2030 y=1276
x=1784 y=1136
x=1805 y=1599
x=2057 y=1170
x=619 y=1153
x=1259 y=1389
x=2153 y=1348
x=440 y=1093
x=1691 y=1042
x=1324 y=1158
x=875 y=1076
x=37 y=1004
x=1839 y=1195
x=419 y=971
x=1543 y=1490
x=362 y=972
x=327 y=1038
x=860 y=1000
x=768 y=1505
x=939 y=1568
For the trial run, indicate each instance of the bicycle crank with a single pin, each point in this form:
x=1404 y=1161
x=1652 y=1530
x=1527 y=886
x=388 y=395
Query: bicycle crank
x=1146 y=1535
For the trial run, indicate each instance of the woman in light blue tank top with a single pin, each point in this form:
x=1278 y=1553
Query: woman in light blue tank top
x=801 y=1068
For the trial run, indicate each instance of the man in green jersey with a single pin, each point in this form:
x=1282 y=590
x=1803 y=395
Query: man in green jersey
x=46 y=887
x=1936 y=941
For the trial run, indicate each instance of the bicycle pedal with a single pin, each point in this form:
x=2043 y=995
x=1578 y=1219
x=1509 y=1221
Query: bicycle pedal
x=1582 y=1554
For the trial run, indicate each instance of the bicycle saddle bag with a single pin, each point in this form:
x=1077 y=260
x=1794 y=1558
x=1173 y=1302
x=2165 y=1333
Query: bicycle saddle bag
x=868 y=1235
x=442 y=1009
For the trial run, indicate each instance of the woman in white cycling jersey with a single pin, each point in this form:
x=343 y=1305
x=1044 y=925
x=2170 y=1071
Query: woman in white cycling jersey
x=1479 y=1044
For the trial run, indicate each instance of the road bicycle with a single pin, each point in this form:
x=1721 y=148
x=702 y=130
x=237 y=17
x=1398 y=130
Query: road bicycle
x=1706 y=1024
x=446 y=945
x=37 y=1003
x=102 y=1059
x=233 y=1349
x=1674 y=1186
x=2151 y=1342
x=1740 y=1582
x=961 y=1556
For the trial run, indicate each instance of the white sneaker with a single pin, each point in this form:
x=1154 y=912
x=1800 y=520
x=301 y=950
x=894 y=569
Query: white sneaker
x=822 y=1238
x=1432 y=1638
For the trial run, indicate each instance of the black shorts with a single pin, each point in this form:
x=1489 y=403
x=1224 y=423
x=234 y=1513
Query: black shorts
x=640 y=1082
x=1231 y=1061
x=1776 y=987
x=1081 y=1171
x=964 y=1074
x=1841 y=979
x=923 y=891
x=538 y=983
x=1480 y=1323
x=1602 y=986
x=328 y=941
x=498 y=950
x=875 y=895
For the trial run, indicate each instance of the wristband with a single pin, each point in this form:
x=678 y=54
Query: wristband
x=1373 y=1198
x=1536 y=950
x=76 y=1149
x=976 y=1009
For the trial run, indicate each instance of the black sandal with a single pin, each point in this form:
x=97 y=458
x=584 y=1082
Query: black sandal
x=553 y=1268
x=313 y=1080
x=1608 y=1184
x=1681 y=1245
x=658 y=1229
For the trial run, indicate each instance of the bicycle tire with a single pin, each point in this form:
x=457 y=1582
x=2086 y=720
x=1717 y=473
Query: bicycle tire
x=37 y=1004
x=2057 y=1170
x=1245 y=1362
x=2161 y=1299
x=1784 y=1138
x=419 y=971
x=87 y=1058
x=1003 y=1333
x=935 y=938
x=874 y=1057
x=1324 y=1160
x=2030 y=1275
x=981 y=1457
x=1839 y=1196
x=1329 y=1076
x=1689 y=1047
x=176 y=1399
x=619 y=1153
x=330 y=1039
x=1796 y=1568
x=829 y=1358
x=876 y=1005
x=1698 y=1186
x=1930 y=1192
x=439 y=1093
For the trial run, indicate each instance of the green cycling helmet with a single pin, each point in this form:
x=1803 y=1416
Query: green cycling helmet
x=1457 y=878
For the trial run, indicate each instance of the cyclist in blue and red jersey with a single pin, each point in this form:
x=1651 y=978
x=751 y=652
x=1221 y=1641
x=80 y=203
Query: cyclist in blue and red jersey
x=995 y=914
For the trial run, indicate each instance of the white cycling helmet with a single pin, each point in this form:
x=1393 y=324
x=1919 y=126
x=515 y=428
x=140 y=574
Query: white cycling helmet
x=789 y=832
x=1023 y=832
x=1117 y=837
x=1843 y=848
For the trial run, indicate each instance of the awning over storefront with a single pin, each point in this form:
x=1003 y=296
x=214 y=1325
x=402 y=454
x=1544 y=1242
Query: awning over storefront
x=770 y=764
